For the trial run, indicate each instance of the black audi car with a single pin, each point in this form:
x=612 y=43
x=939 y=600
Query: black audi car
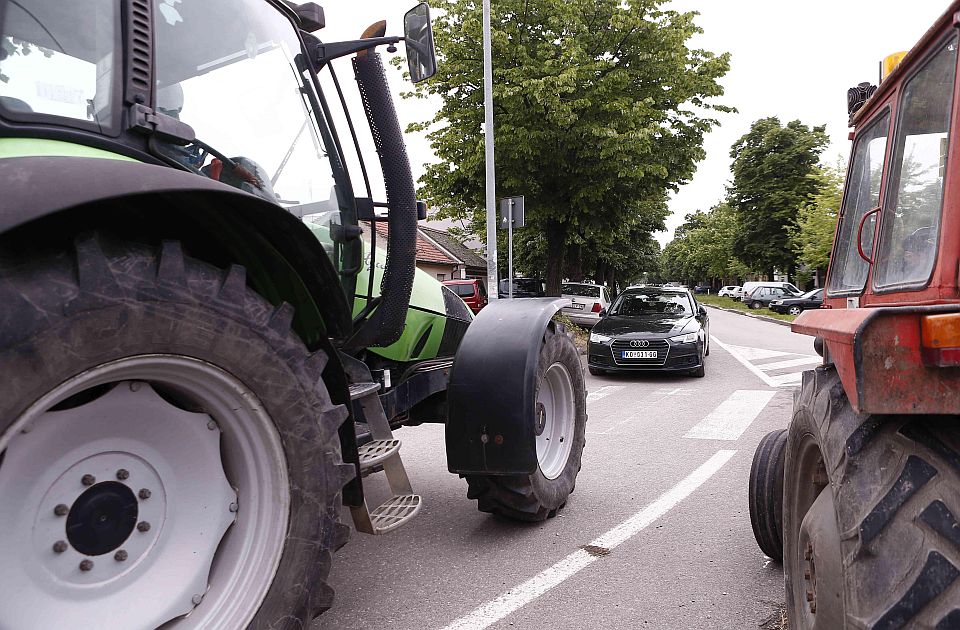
x=651 y=328
x=796 y=305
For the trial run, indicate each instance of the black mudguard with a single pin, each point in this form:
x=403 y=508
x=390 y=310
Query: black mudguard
x=492 y=391
x=36 y=188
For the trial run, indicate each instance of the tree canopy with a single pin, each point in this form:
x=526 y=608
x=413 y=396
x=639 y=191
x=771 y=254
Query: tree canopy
x=772 y=168
x=813 y=235
x=600 y=110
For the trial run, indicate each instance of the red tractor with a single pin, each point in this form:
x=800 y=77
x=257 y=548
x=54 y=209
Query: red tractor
x=860 y=496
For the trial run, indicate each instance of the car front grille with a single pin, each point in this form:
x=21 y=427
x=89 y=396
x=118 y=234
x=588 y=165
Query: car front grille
x=660 y=345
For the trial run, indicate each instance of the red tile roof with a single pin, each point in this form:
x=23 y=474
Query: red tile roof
x=427 y=252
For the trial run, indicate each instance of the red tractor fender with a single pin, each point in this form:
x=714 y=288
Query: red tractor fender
x=877 y=353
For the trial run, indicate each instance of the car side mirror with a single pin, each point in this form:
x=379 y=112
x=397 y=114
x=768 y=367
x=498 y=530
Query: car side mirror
x=702 y=309
x=418 y=38
x=603 y=313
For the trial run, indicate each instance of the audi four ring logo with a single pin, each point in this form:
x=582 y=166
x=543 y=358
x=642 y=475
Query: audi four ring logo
x=639 y=343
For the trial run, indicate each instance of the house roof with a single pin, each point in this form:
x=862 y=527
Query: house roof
x=453 y=247
x=427 y=252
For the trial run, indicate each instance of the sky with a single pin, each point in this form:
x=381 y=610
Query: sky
x=791 y=60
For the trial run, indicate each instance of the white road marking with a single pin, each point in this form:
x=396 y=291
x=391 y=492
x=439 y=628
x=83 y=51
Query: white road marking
x=805 y=360
x=659 y=395
x=735 y=352
x=793 y=378
x=732 y=417
x=519 y=596
x=755 y=354
x=603 y=392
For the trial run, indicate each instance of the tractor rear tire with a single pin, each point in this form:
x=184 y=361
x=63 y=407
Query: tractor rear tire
x=766 y=493
x=538 y=496
x=114 y=320
x=871 y=515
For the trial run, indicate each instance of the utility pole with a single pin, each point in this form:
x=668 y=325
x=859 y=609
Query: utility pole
x=491 y=184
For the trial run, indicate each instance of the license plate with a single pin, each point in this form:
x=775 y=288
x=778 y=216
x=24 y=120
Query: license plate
x=639 y=354
x=579 y=307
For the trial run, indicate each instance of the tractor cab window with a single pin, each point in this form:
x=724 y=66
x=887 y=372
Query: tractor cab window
x=60 y=59
x=911 y=214
x=233 y=70
x=848 y=271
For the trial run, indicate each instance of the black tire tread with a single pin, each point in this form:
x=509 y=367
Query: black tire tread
x=96 y=300
x=896 y=482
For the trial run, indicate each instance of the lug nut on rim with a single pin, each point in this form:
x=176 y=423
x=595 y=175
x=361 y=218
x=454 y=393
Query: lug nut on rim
x=60 y=546
x=143 y=527
x=86 y=565
x=123 y=474
x=88 y=480
x=120 y=556
x=61 y=510
x=144 y=493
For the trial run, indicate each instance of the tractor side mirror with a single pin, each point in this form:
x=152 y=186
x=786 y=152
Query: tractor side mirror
x=702 y=309
x=418 y=37
x=603 y=313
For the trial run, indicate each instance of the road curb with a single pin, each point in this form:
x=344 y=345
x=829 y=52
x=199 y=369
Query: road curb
x=763 y=317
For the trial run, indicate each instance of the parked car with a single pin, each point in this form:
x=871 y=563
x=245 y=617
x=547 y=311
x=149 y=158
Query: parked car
x=522 y=288
x=762 y=296
x=729 y=291
x=662 y=329
x=749 y=287
x=795 y=306
x=702 y=289
x=588 y=301
x=471 y=291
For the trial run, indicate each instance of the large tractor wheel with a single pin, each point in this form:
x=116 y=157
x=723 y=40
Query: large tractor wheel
x=168 y=452
x=871 y=508
x=766 y=493
x=561 y=417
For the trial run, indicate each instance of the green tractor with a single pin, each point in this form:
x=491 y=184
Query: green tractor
x=204 y=351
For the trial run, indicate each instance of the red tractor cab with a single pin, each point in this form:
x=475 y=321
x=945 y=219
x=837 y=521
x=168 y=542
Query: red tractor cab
x=860 y=496
x=471 y=291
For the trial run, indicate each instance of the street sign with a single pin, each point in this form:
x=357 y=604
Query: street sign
x=511 y=207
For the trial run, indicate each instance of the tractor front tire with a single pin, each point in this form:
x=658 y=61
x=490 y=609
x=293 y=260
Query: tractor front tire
x=167 y=415
x=766 y=493
x=871 y=515
x=562 y=400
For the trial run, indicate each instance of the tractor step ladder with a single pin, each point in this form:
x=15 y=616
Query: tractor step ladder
x=383 y=451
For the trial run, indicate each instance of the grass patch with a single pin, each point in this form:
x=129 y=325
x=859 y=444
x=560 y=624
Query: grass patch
x=729 y=303
x=581 y=336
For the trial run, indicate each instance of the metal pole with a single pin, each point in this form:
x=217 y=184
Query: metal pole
x=491 y=187
x=510 y=245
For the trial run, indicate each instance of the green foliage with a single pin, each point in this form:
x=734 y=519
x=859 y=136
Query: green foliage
x=772 y=167
x=600 y=110
x=812 y=236
x=702 y=248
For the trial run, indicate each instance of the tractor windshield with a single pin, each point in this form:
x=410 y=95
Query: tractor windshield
x=233 y=70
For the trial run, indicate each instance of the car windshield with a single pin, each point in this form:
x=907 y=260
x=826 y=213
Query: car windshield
x=528 y=285
x=463 y=290
x=643 y=303
x=583 y=290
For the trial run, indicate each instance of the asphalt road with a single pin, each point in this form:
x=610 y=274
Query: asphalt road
x=662 y=499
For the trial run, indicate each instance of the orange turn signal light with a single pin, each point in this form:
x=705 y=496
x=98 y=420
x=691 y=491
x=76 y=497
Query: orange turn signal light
x=940 y=339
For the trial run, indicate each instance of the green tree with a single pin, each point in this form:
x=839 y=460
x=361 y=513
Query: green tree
x=600 y=108
x=812 y=236
x=702 y=248
x=772 y=165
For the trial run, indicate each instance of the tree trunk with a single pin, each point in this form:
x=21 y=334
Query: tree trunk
x=574 y=263
x=771 y=274
x=556 y=234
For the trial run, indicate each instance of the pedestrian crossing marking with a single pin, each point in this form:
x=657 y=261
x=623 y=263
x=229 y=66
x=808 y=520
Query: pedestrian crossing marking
x=749 y=357
x=603 y=392
x=732 y=417
x=779 y=365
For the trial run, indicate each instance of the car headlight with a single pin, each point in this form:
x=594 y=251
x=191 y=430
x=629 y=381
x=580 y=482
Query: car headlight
x=687 y=338
x=776 y=302
x=598 y=338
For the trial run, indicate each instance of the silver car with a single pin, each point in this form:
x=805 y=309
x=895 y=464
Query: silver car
x=588 y=301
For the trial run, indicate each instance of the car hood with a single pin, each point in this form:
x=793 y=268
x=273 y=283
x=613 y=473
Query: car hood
x=616 y=326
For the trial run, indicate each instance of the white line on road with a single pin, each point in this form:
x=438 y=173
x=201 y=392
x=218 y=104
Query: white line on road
x=520 y=596
x=805 y=360
x=732 y=417
x=735 y=353
x=603 y=392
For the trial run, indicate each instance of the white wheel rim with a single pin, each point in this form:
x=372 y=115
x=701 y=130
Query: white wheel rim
x=555 y=421
x=217 y=509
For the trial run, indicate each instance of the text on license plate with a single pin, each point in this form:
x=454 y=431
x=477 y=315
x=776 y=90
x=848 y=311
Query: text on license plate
x=639 y=354
x=579 y=307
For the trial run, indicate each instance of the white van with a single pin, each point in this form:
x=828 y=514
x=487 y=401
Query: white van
x=748 y=288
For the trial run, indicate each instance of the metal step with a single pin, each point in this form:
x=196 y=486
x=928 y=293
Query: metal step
x=375 y=452
x=359 y=390
x=395 y=512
